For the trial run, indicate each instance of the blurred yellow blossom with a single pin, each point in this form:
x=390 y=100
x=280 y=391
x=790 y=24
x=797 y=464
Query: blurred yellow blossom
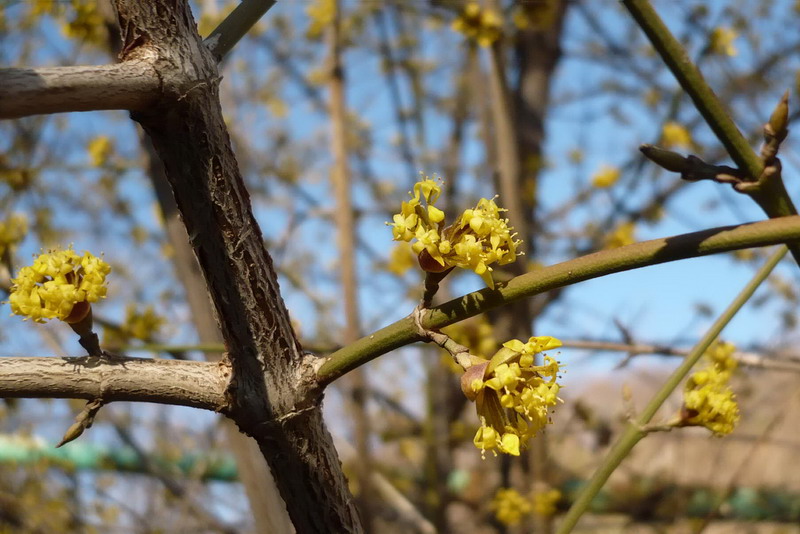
x=721 y=41
x=86 y=23
x=675 y=135
x=509 y=506
x=482 y=25
x=540 y=14
x=321 y=13
x=12 y=231
x=55 y=283
x=99 y=149
x=545 y=502
x=707 y=397
x=512 y=396
x=605 y=177
x=622 y=235
x=478 y=238
x=401 y=259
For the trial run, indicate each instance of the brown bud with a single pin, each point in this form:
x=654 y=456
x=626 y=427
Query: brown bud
x=428 y=264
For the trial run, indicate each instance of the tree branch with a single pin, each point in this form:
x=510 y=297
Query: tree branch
x=195 y=384
x=605 y=262
x=274 y=397
x=131 y=85
x=235 y=26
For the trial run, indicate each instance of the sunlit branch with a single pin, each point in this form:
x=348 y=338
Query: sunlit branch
x=194 y=384
x=131 y=85
x=605 y=262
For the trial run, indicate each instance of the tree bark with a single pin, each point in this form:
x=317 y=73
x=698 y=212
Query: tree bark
x=130 y=85
x=195 y=384
x=273 y=394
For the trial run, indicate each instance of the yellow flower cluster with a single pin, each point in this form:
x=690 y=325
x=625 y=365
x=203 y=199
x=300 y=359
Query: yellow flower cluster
x=12 y=230
x=622 y=235
x=55 y=283
x=545 y=502
x=707 y=398
x=675 y=135
x=510 y=506
x=321 y=13
x=605 y=177
x=512 y=395
x=721 y=41
x=483 y=26
x=100 y=149
x=400 y=259
x=478 y=238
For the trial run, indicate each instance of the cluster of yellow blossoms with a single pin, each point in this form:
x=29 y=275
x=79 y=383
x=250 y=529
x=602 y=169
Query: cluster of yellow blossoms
x=55 y=283
x=511 y=507
x=483 y=26
x=478 y=238
x=143 y=325
x=512 y=396
x=707 y=398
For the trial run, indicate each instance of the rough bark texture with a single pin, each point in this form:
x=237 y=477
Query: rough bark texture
x=24 y=92
x=271 y=389
x=267 y=506
x=195 y=384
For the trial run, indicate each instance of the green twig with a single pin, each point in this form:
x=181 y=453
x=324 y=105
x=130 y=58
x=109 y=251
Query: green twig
x=692 y=81
x=712 y=241
x=636 y=431
x=231 y=30
x=766 y=189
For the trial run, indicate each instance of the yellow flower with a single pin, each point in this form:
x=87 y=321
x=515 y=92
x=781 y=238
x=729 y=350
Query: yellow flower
x=707 y=398
x=87 y=23
x=99 y=148
x=721 y=41
x=512 y=395
x=321 y=13
x=55 y=283
x=605 y=177
x=12 y=231
x=675 y=135
x=401 y=259
x=544 y=502
x=478 y=238
x=483 y=26
x=622 y=235
x=509 y=506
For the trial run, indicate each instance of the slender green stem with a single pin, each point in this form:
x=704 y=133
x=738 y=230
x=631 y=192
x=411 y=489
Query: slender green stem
x=231 y=30
x=712 y=241
x=692 y=81
x=634 y=432
x=770 y=194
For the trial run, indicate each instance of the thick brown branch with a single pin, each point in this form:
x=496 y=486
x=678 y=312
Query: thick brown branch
x=195 y=384
x=131 y=85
